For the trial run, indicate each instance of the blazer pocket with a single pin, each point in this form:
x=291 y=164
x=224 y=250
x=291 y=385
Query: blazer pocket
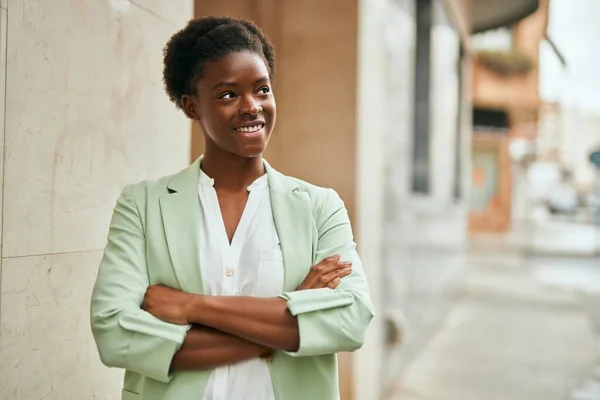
x=269 y=282
x=127 y=395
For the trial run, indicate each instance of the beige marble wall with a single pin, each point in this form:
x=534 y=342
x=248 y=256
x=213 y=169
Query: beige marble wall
x=85 y=115
x=3 y=30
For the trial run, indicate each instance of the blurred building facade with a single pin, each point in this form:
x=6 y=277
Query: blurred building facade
x=562 y=181
x=579 y=137
x=569 y=130
x=374 y=100
x=506 y=117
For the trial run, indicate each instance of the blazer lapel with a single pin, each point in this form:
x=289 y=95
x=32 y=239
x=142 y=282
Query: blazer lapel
x=293 y=221
x=181 y=213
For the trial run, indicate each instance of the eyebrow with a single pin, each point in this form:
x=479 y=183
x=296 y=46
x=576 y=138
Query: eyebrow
x=229 y=84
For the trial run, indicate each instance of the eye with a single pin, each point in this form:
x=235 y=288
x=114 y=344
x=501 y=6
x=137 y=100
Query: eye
x=227 y=96
x=265 y=90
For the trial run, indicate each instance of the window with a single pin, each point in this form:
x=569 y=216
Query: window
x=458 y=165
x=421 y=134
x=491 y=121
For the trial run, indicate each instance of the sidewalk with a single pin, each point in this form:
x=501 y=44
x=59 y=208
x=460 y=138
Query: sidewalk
x=510 y=337
x=552 y=237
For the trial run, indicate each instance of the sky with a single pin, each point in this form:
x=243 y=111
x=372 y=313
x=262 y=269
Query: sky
x=574 y=26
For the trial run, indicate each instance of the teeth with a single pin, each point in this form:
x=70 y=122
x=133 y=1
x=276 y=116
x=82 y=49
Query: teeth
x=250 y=128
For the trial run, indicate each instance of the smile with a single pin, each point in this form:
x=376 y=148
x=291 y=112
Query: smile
x=250 y=129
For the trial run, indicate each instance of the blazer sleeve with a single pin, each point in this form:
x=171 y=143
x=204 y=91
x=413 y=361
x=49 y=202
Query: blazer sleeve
x=336 y=320
x=126 y=336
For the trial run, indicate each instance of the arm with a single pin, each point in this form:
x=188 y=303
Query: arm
x=331 y=321
x=207 y=348
x=126 y=336
x=266 y=322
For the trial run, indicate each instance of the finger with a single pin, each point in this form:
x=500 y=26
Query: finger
x=324 y=267
x=315 y=278
x=342 y=273
x=344 y=264
x=334 y=283
x=330 y=260
x=333 y=258
x=336 y=280
x=338 y=273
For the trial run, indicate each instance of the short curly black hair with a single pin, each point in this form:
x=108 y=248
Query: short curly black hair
x=208 y=39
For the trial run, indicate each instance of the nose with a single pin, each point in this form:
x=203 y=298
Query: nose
x=251 y=107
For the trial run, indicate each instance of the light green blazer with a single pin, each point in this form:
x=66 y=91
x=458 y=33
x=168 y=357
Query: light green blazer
x=153 y=239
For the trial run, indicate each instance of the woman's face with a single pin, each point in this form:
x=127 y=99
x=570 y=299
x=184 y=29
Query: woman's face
x=234 y=104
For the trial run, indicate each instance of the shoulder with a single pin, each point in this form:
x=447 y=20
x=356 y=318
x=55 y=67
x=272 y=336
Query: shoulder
x=148 y=191
x=149 y=187
x=325 y=201
x=143 y=189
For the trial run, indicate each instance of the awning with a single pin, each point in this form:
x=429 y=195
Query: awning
x=492 y=14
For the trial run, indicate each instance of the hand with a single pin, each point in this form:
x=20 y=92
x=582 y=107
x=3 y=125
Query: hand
x=327 y=273
x=169 y=305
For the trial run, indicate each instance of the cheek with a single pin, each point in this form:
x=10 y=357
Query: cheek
x=215 y=123
x=270 y=110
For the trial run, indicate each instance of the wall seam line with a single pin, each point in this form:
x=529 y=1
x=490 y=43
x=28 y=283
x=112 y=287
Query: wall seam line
x=53 y=254
x=153 y=13
x=4 y=33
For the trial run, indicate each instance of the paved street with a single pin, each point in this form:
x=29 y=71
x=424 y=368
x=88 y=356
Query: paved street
x=550 y=237
x=521 y=331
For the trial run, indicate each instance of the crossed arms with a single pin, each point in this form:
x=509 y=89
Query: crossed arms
x=153 y=330
x=227 y=330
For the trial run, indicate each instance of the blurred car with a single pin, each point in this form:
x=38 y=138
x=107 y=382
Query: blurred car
x=563 y=199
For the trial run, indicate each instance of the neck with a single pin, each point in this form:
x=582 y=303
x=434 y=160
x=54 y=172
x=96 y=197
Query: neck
x=231 y=172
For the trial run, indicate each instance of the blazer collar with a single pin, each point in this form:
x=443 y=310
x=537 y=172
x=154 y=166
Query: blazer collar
x=187 y=179
x=278 y=182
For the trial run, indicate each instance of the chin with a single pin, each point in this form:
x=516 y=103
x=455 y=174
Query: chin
x=252 y=150
x=251 y=153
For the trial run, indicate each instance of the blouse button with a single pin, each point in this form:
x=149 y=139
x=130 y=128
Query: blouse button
x=228 y=272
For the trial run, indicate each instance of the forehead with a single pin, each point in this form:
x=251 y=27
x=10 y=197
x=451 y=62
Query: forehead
x=234 y=67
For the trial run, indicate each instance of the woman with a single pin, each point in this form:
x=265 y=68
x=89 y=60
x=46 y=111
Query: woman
x=228 y=280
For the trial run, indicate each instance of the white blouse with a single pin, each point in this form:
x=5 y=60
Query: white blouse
x=252 y=265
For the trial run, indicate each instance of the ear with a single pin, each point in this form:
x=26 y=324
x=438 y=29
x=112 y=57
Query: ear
x=190 y=106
